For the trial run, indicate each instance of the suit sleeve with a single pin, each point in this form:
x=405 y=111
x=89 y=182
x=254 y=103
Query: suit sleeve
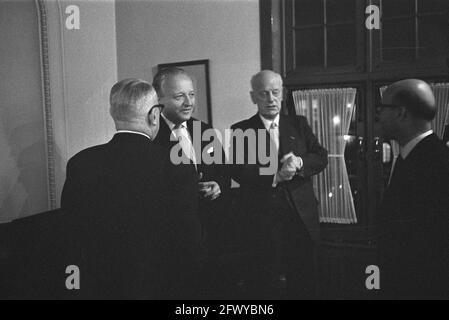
x=315 y=160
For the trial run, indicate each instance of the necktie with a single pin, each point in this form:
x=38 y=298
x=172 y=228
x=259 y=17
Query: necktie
x=396 y=169
x=274 y=135
x=184 y=140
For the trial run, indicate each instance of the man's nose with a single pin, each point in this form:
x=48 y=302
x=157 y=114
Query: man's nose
x=188 y=101
x=270 y=96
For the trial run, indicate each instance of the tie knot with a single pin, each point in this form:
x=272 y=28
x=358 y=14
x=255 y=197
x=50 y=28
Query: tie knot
x=274 y=125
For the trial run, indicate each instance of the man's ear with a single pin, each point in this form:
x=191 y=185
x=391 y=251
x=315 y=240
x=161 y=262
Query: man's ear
x=152 y=116
x=403 y=112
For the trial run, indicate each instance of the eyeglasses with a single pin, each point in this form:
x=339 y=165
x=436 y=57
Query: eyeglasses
x=382 y=106
x=265 y=95
x=159 y=106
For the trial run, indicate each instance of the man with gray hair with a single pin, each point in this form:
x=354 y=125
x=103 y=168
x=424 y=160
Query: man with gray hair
x=118 y=199
x=414 y=216
x=280 y=209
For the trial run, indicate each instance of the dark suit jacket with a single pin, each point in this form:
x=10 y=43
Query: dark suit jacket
x=134 y=218
x=295 y=136
x=211 y=172
x=414 y=243
x=211 y=212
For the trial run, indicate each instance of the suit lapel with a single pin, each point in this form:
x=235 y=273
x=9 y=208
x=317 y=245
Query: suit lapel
x=163 y=136
x=189 y=124
x=284 y=136
x=287 y=134
x=288 y=137
x=256 y=122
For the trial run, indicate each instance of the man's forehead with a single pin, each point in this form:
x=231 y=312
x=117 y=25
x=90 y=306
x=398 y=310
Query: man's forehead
x=174 y=81
x=268 y=82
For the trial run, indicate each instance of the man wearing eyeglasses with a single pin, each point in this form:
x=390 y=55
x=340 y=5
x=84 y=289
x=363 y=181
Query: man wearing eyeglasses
x=280 y=209
x=414 y=216
x=122 y=201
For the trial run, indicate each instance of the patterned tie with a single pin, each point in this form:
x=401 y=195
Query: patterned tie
x=183 y=137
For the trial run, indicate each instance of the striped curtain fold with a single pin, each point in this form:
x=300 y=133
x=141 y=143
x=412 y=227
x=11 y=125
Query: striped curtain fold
x=329 y=112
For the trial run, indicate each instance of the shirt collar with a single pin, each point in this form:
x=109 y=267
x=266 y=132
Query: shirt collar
x=134 y=132
x=171 y=125
x=405 y=150
x=267 y=123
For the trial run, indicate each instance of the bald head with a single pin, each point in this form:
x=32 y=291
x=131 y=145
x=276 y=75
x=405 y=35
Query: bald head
x=267 y=93
x=263 y=77
x=414 y=95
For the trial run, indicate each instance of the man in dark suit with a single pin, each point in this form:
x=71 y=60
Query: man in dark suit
x=279 y=206
x=179 y=131
x=133 y=214
x=414 y=216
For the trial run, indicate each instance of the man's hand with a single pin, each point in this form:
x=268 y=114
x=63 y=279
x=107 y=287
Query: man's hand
x=292 y=161
x=290 y=165
x=209 y=190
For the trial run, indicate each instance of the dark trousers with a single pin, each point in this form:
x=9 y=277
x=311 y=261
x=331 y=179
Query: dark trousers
x=279 y=253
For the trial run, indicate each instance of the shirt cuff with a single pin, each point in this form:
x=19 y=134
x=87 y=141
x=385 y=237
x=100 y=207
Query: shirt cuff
x=301 y=163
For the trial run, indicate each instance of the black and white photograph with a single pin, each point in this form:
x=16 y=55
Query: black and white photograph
x=224 y=155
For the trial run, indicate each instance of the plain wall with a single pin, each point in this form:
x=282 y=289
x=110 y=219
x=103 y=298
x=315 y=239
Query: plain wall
x=116 y=40
x=23 y=175
x=83 y=68
x=225 y=32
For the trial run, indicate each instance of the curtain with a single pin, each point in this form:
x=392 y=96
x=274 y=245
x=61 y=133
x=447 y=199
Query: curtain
x=329 y=112
x=441 y=92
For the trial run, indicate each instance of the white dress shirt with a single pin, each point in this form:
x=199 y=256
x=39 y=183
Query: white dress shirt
x=135 y=132
x=181 y=134
x=272 y=127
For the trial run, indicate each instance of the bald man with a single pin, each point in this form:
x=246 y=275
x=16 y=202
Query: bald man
x=280 y=209
x=415 y=209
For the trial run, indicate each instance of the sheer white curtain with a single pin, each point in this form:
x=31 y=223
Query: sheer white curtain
x=441 y=92
x=329 y=112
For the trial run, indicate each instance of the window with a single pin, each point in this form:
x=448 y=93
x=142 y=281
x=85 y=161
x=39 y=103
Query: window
x=324 y=44
x=322 y=34
x=330 y=113
x=412 y=32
